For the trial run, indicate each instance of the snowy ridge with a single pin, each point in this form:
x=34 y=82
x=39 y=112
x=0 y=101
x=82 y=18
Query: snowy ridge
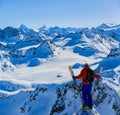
x=33 y=68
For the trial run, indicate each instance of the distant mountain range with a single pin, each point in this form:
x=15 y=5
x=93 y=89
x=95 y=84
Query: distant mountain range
x=21 y=45
x=33 y=66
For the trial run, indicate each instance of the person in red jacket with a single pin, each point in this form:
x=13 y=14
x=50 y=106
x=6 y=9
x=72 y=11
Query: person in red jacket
x=86 y=87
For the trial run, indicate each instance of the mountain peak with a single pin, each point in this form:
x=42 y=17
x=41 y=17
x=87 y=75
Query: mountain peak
x=43 y=28
x=107 y=25
x=22 y=26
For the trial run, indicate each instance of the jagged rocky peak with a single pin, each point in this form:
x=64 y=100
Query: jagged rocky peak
x=43 y=28
x=9 y=32
x=25 y=29
x=28 y=34
x=22 y=26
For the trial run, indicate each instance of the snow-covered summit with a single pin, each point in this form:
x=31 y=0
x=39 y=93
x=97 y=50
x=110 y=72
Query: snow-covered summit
x=108 y=25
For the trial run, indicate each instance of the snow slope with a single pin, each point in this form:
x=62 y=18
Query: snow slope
x=34 y=76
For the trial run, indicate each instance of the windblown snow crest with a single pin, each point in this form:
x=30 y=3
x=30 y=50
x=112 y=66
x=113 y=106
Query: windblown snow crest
x=33 y=68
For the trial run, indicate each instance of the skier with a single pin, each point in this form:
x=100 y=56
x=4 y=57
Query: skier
x=86 y=87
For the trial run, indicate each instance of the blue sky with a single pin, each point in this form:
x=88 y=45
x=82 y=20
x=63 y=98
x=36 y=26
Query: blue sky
x=63 y=13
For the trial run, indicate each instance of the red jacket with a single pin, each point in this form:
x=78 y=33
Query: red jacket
x=83 y=75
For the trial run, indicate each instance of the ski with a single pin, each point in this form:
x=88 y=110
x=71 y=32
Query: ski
x=75 y=86
x=74 y=80
x=97 y=81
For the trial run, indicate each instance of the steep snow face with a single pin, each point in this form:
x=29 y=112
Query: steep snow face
x=34 y=69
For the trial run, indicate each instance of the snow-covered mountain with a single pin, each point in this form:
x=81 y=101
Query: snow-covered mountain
x=34 y=68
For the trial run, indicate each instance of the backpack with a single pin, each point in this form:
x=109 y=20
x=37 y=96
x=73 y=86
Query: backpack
x=90 y=76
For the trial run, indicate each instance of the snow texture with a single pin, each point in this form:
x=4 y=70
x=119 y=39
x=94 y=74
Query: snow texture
x=34 y=76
